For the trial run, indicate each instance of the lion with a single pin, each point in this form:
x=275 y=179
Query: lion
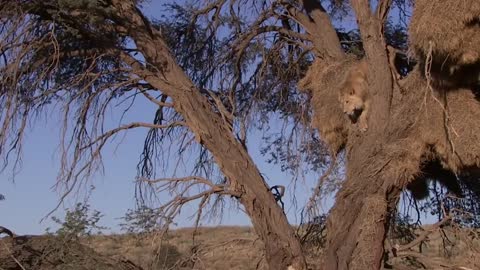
x=354 y=95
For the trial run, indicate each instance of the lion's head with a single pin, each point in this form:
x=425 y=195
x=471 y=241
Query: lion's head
x=353 y=106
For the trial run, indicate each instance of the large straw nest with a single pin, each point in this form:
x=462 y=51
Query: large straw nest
x=437 y=135
x=324 y=81
x=433 y=135
x=433 y=132
x=450 y=29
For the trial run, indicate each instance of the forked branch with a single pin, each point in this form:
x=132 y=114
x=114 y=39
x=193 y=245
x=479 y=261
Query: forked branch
x=182 y=188
x=318 y=24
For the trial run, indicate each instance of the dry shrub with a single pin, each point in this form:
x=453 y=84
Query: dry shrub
x=451 y=28
x=443 y=245
x=324 y=82
x=148 y=251
x=166 y=257
x=214 y=248
x=51 y=253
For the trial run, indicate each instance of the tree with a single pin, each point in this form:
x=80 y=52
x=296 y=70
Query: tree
x=79 y=55
x=79 y=222
x=141 y=220
x=197 y=68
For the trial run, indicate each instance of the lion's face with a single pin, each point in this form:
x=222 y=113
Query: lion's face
x=353 y=106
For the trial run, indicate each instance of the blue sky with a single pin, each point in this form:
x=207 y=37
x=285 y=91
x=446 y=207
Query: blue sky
x=32 y=195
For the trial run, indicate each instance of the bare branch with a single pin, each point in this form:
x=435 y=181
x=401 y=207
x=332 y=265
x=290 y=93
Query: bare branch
x=181 y=187
x=245 y=41
x=197 y=179
x=156 y=101
x=112 y=132
x=216 y=5
x=422 y=237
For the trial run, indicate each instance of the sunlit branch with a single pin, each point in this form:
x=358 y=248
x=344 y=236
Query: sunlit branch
x=156 y=101
x=324 y=39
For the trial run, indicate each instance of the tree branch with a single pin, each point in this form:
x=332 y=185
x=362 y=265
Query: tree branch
x=425 y=234
x=318 y=24
x=156 y=101
x=182 y=186
x=380 y=85
x=383 y=8
x=112 y=132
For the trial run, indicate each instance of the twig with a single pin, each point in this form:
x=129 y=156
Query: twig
x=428 y=66
x=318 y=187
x=110 y=133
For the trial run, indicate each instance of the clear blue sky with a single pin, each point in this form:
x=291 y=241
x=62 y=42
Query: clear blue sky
x=31 y=196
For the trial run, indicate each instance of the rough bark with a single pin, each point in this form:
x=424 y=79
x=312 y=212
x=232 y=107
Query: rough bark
x=283 y=249
x=318 y=24
x=358 y=221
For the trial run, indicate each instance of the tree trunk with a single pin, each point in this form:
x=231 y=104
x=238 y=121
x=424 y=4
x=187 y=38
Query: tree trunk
x=283 y=248
x=359 y=220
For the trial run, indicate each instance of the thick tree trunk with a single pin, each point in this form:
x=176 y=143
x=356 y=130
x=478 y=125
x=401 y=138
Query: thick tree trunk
x=283 y=249
x=359 y=220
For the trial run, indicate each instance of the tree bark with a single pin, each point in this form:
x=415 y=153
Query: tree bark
x=318 y=24
x=283 y=249
x=359 y=220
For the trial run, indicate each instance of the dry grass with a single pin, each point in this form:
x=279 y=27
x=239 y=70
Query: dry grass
x=444 y=36
x=213 y=248
x=238 y=248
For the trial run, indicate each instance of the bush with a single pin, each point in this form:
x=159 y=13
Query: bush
x=141 y=220
x=79 y=222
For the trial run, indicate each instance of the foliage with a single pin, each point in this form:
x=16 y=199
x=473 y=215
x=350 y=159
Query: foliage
x=80 y=221
x=313 y=232
x=144 y=219
x=441 y=202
